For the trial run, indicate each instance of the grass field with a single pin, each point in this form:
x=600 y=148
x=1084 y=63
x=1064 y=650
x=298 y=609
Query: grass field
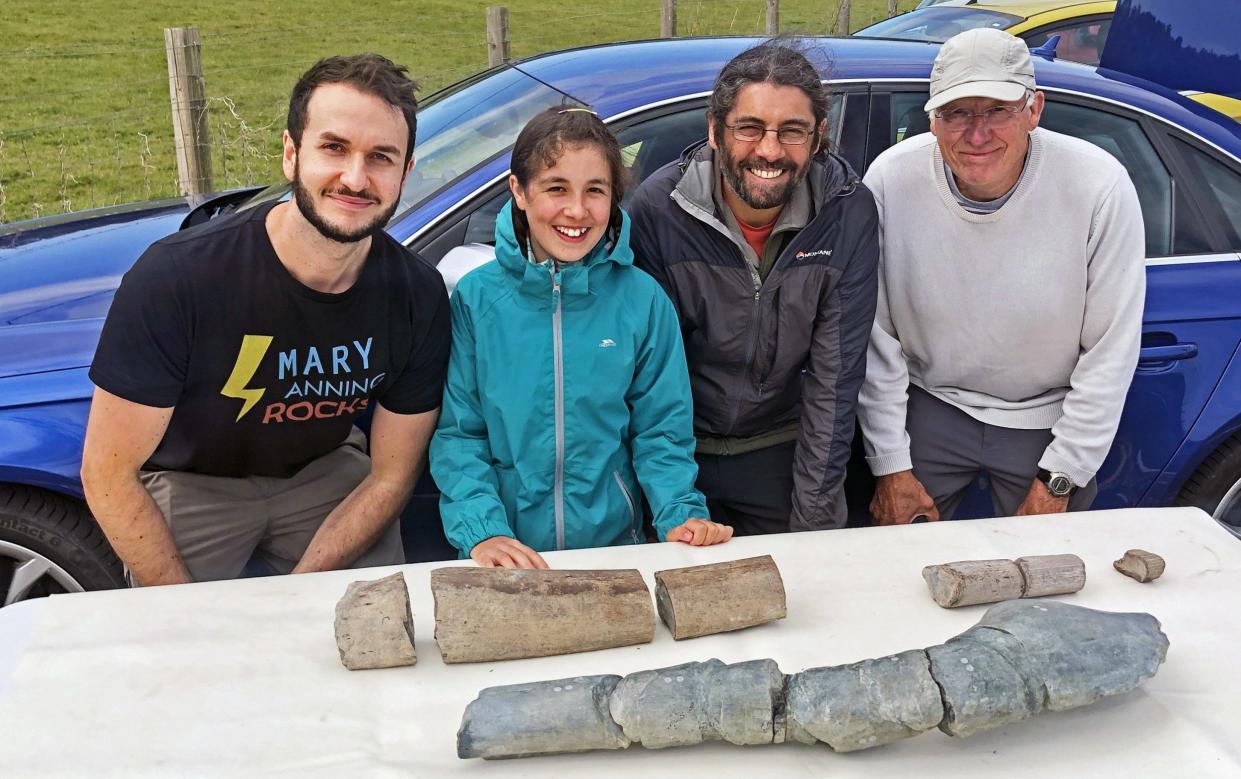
x=84 y=106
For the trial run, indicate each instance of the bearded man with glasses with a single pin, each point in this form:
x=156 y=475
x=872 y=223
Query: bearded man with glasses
x=1010 y=298
x=767 y=244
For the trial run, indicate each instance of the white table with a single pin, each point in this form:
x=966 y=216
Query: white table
x=242 y=678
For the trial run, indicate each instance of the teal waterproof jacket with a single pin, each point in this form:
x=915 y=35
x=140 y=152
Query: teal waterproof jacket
x=567 y=392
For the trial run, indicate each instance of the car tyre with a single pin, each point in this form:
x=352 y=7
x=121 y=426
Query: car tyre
x=1216 y=486
x=49 y=544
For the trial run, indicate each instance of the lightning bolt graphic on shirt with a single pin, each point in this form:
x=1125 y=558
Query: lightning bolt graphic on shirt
x=253 y=347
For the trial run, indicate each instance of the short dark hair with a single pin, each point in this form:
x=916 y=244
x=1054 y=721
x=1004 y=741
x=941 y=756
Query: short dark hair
x=542 y=142
x=372 y=74
x=779 y=61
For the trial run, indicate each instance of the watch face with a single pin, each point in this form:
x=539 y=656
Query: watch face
x=1059 y=485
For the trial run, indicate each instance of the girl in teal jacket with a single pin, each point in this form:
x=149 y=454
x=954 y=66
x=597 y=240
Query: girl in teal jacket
x=567 y=396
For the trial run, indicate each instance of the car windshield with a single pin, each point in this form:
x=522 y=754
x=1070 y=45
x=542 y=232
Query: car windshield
x=461 y=127
x=465 y=125
x=937 y=23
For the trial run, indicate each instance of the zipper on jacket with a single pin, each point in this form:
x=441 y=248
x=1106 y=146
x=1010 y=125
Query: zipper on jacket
x=633 y=511
x=751 y=348
x=774 y=341
x=558 y=362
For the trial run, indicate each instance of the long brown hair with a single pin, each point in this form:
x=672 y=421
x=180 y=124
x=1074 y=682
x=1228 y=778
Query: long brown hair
x=543 y=141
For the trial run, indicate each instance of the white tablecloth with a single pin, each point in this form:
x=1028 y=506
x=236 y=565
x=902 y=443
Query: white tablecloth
x=242 y=678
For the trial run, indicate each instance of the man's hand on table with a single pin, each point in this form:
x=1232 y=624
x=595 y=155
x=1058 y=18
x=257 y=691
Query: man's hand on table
x=700 y=532
x=900 y=498
x=505 y=552
x=1039 y=500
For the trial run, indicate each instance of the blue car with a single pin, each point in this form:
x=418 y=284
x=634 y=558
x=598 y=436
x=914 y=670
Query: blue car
x=1179 y=439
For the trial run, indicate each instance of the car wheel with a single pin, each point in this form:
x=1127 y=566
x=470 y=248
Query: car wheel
x=1216 y=486
x=51 y=544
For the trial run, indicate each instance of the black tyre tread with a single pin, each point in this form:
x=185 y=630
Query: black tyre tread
x=1217 y=473
x=82 y=549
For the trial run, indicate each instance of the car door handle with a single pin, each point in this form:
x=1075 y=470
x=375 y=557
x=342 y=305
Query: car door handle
x=1153 y=354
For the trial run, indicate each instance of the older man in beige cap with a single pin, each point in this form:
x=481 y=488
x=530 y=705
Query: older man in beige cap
x=1011 y=283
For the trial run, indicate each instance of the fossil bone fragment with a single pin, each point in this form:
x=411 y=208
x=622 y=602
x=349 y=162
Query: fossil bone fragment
x=497 y=614
x=1020 y=659
x=1141 y=565
x=971 y=582
x=374 y=626
x=839 y=705
x=715 y=598
x=523 y=720
x=697 y=702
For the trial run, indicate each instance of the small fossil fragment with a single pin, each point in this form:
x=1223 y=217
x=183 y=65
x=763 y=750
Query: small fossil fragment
x=1020 y=659
x=374 y=626
x=1141 y=565
x=706 y=599
x=971 y=582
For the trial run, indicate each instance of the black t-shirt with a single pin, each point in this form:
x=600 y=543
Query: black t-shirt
x=265 y=373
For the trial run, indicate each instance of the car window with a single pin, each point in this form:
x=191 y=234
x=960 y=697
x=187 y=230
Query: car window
x=908 y=118
x=1122 y=137
x=1125 y=140
x=651 y=144
x=1081 y=40
x=460 y=129
x=1221 y=187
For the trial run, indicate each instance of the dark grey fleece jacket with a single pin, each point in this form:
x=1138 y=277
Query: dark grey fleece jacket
x=786 y=354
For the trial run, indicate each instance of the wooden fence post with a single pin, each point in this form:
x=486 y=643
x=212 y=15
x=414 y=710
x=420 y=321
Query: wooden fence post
x=189 y=110
x=891 y=8
x=668 y=19
x=842 y=18
x=773 y=17
x=497 y=36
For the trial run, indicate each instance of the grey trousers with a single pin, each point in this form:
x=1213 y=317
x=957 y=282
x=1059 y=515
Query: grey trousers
x=950 y=449
x=219 y=522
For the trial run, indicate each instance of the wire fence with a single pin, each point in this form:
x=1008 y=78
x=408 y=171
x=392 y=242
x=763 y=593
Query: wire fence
x=88 y=125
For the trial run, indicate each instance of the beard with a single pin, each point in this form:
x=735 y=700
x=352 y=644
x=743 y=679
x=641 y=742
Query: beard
x=306 y=204
x=767 y=197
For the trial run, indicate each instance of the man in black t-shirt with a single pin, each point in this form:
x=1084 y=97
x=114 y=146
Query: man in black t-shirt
x=238 y=354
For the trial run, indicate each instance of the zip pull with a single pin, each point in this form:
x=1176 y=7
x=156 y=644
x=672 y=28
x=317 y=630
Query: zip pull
x=555 y=271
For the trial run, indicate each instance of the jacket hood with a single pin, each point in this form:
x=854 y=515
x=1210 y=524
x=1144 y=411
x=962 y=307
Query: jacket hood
x=830 y=176
x=576 y=277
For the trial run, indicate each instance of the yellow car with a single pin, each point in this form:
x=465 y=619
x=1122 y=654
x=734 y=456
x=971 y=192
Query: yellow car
x=1228 y=106
x=1082 y=27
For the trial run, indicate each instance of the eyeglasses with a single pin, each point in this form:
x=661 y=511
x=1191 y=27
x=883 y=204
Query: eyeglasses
x=994 y=118
x=789 y=136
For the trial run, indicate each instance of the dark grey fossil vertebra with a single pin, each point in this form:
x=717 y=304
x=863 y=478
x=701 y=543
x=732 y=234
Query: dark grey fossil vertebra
x=1021 y=658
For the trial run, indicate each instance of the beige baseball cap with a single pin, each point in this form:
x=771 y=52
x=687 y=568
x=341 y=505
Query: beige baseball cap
x=983 y=62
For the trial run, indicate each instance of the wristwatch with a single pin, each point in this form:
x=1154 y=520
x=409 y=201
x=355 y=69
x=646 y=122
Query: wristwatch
x=1058 y=484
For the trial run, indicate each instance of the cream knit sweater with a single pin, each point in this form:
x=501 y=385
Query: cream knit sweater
x=1029 y=317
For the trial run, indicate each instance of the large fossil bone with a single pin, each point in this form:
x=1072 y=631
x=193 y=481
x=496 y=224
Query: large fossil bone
x=715 y=598
x=1020 y=659
x=486 y=614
